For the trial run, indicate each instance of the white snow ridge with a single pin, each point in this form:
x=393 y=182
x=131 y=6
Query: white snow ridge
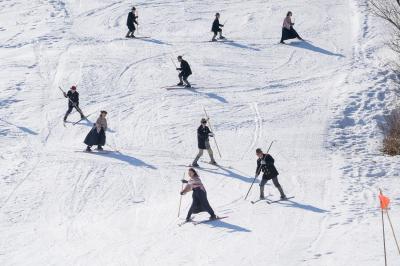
x=320 y=100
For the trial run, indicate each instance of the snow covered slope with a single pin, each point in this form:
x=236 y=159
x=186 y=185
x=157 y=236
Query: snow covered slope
x=319 y=100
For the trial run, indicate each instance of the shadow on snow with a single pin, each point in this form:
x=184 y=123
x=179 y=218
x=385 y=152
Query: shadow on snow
x=308 y=46
x=231 y=227
x=294 y=204
x=125 y=158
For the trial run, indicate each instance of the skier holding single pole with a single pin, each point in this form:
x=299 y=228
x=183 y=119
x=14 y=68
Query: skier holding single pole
x=216 y=28
x=73 y=102
x=265 y=163
x=97 y=135
x=288 y=32
x=130 y=22
x=185 y=72
x=200 y=202
x=203 y=134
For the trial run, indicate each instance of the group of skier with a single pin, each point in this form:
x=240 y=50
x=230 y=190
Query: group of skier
x=288 y=32
x=265 y=162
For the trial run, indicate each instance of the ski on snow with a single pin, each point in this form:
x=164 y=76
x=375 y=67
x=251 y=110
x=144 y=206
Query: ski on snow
x=275 y=201
x=202 y=221
x=270 y=201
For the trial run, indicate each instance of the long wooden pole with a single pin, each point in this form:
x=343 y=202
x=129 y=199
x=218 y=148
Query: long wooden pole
x=384 y=238
x=215 y=139
x=180 y=200
x=394 y=235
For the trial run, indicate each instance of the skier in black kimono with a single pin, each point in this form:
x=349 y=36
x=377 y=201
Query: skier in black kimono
x=288 y=32
x=265 y=164
x=216 y=28
x=203 y=134
x=185 y=72
x=97 y=135
x=73 y=102
x=130 y=22
x=200 y=202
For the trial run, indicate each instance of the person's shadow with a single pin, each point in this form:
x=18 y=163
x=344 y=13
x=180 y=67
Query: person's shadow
x=308 y=46
x=294 y=204
x=152 y=40
x=125 y=158
x=239 y=45
x=232 y=228
x=207 y=94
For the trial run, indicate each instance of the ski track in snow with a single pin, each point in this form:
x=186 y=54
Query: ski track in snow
x=320 y=100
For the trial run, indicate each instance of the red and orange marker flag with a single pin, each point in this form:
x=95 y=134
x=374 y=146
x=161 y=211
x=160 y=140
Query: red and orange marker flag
x=384 y=201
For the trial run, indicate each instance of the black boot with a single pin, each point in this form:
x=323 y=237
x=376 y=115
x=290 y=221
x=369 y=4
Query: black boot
x=99 y=148
x=179 y=84
x=283 y=196
x=88 y=149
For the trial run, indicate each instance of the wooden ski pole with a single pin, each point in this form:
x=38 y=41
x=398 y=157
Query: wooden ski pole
x=173 y=62
x=394 y=235
x=255 y=177
x=215 y=139
x=180 y=200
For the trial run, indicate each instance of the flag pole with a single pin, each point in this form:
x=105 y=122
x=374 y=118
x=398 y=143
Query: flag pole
x=394 y=235
x=383 y=227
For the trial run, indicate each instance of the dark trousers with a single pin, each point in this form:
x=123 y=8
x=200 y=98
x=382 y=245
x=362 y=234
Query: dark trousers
x=274 y=181
x=70 y=107
x=200 y=203
x=183 y=78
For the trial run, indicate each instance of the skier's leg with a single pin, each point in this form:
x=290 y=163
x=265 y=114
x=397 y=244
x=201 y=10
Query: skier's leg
x=79 y=111
x=70 y=107
x=278 y=186
x=128 y=35
x=180 y=79
x=186 y=82
x=210 y=152
x=262 y=185
x=220 y=34
x=190 y=212
x=88 y=148
x=133 y=33
x=213 y=38
x=197 y=157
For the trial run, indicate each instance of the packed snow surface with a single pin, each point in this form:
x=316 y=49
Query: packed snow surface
x=320 y=100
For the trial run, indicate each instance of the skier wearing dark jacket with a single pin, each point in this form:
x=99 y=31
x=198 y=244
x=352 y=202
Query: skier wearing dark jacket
x=203 y=134
x=185 y=72
x=200 y=202
x=265 y=164
x=130 y=22
x=216 y=28
x=73 y=102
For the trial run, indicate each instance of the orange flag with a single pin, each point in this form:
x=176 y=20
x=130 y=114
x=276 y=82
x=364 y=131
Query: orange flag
x=384 y=201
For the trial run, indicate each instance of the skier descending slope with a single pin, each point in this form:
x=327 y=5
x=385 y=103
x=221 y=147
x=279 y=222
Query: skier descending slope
x=200 y=202
x=73 y=102
x=216 y=28
x=265 y=163
x=97 y=135
x=131 y=21
x=288 y=32
x=185 y=72
x=203 y=134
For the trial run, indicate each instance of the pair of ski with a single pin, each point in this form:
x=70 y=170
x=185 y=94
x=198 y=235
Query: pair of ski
x=202 y=221
x=270 y=201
